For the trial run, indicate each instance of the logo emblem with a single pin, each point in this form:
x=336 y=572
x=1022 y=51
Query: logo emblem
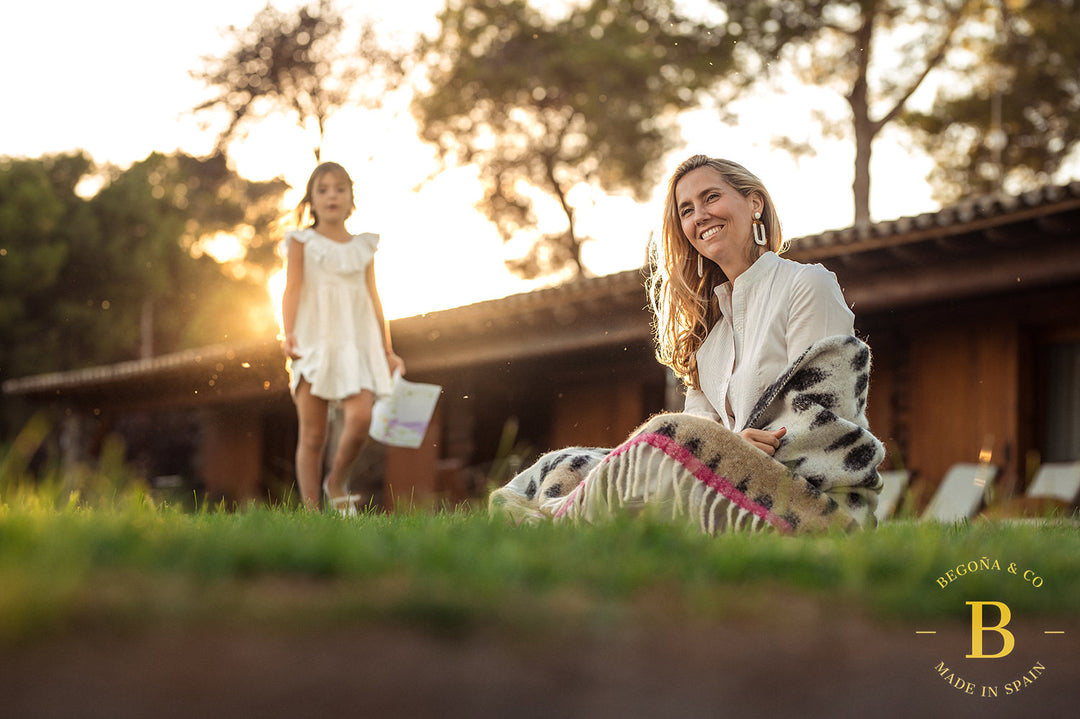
x=1000 y=661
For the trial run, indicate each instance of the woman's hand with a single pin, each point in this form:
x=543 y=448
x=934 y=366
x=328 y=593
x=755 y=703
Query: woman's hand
x=397 y=365
x=764 y=440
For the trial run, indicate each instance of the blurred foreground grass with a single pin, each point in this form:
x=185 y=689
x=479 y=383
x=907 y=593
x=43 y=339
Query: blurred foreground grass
x=134 y=562
x=95 y=548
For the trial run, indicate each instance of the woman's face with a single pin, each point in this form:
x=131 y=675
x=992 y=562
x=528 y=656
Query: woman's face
x=716 y=218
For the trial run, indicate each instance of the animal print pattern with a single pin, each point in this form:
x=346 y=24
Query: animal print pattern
x=532 y=495
x=821 y=400
x=684 y=467
x=823 y=475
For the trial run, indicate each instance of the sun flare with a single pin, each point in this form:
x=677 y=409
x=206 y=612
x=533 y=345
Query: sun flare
x=275 y=287
x=223 y=247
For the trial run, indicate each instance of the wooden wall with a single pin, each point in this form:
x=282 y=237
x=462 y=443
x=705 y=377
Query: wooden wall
x=412 y=478
x=951 y=381
x=964 y=398
x=230 y=454
x=598 y=416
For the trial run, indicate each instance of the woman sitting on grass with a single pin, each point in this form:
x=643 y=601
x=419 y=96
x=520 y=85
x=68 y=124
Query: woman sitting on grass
x=774 y=431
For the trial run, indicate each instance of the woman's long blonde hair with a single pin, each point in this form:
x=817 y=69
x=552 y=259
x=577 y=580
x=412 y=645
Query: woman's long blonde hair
x=683 y=304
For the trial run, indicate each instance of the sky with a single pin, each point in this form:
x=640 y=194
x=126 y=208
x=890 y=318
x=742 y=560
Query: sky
x=112 y=77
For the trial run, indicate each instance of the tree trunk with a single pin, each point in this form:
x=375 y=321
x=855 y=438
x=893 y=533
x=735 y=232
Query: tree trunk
x=860 y=186
x=573 y=244
x=865 y=128
x=860 y=117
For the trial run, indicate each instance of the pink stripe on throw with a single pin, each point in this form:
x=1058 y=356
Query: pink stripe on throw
x=701 y=471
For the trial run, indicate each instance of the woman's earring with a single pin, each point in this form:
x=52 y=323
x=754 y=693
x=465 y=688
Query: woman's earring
x=700 y=266
x=759 y=230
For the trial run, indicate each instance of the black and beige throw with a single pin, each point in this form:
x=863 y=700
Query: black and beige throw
x=681 y=466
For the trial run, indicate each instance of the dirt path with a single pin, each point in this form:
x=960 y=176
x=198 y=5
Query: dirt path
x=817 y=666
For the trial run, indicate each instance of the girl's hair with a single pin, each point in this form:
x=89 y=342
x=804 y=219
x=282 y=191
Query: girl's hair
x=304 y=208
x=684 y=305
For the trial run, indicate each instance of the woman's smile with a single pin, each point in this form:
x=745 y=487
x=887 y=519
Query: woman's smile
x=711 y=231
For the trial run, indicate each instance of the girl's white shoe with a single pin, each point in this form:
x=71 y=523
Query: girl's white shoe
x=345 y=505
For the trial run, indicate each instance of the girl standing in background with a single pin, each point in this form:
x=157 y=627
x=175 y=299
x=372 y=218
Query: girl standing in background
x=336 y=337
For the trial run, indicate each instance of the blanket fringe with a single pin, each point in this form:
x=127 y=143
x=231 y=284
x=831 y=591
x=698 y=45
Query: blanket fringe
x=657 y=472
x=676 y=467
x=641 y=478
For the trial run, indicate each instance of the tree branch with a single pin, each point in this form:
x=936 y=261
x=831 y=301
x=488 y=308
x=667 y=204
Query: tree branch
x=934 y=60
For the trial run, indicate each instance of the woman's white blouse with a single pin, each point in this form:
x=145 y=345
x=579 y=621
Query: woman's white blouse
x=774 y=311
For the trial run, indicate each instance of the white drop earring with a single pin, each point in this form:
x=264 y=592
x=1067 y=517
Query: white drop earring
x=700 y=266
x=759 y=230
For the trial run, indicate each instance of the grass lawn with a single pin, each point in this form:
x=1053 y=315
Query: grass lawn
x=135 y=608
x=132 y=561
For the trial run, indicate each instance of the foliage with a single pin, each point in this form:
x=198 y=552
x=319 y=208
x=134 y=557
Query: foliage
x=33 y=475
x=293 y=62
x=545 y=105
x=165 y=208
x=874 y=55
x=104 y=279
x=1010 y=117
x=40 y=216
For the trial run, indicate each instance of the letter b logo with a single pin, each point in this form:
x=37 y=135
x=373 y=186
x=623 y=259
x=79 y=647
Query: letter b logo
x=977 y=629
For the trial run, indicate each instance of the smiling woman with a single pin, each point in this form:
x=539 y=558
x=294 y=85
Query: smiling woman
x=736 y=322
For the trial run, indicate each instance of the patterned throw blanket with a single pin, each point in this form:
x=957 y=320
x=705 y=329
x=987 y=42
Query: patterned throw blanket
x=681 y=466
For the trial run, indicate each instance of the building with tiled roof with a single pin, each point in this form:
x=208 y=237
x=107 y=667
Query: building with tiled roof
x=971 y=311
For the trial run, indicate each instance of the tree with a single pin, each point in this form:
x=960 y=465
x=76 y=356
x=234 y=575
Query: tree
x=78 y=276
x=294 y=63
x=150 y=258
x=1011 y=116
x=39 y=215
x=541 y=104
x=873 y=53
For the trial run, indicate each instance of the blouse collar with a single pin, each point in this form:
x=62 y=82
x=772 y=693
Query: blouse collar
x=761 y=267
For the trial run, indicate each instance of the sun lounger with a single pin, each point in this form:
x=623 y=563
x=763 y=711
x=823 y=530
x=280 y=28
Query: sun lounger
x=961 y=492
x=1053 y=493
x=1056 y=480
x=894 y=484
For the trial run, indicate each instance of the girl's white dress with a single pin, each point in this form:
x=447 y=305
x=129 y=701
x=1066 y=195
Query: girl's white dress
x=337 y=332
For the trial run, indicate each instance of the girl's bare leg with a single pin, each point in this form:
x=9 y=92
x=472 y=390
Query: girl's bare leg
x=311 y=443
x=357 y=411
